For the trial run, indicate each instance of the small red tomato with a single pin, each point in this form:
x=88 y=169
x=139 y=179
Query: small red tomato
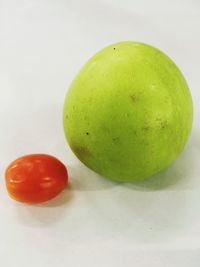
x=35 y=178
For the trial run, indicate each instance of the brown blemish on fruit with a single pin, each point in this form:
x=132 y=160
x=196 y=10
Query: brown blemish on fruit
x=127 y=115
x=134 y=98
x=146 y=128
x=81 y=151
x=158 y=119
x=162 y=123
x=116 y=139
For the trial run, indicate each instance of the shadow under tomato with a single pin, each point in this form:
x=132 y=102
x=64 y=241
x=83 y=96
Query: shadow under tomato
x=39 y=215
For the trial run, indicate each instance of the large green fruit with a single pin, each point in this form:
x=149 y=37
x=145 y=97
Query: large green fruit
x=128 y=113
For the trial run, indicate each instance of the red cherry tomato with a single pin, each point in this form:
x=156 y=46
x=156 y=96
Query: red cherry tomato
x=35 y=178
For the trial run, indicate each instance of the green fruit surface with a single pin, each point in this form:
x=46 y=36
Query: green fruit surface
x=128 y=113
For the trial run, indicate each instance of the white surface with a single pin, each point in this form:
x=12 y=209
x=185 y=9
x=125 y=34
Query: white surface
x=96 y=223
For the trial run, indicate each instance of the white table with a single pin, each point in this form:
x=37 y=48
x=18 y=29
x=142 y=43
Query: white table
x=43 y=43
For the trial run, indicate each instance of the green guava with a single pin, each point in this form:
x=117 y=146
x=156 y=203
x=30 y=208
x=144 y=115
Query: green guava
x=128 y=113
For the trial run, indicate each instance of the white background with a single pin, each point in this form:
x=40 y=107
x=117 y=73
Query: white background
x=96 y=222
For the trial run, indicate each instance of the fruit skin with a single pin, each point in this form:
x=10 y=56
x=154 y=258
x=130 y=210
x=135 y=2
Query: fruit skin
x=128 y=113
x=35 y=178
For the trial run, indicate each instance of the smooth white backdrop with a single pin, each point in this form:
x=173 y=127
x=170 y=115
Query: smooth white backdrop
x=43 y=43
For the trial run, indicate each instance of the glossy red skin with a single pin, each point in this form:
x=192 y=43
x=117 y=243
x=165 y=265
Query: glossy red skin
x=36 y=178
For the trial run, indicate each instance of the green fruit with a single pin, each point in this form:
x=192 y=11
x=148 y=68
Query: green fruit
x=128 y=113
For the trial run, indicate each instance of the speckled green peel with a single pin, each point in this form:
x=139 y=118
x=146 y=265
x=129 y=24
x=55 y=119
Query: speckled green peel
x=128 y=113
